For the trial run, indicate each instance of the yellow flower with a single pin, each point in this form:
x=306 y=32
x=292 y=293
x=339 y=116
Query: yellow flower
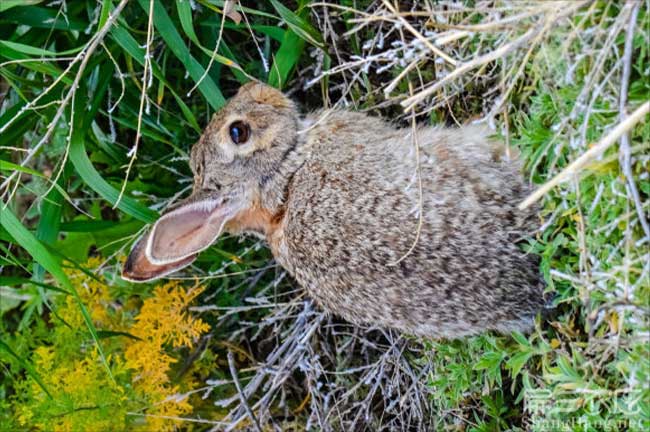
x=44 y=358
x=163 y=320
x=84 y=396
x=164 y=316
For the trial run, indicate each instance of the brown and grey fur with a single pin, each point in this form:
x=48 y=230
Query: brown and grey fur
x=336 y=196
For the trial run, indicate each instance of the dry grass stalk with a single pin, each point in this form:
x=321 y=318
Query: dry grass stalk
x=555 y=13
x=83 y=57
x=591 y=154
x=144 y=100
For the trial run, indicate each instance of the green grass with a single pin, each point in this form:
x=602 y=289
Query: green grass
x=66 y=206
x=584 y=369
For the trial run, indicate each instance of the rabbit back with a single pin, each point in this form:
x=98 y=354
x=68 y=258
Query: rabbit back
x=353 y=237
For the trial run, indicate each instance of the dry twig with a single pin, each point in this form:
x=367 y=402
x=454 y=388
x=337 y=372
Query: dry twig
x=589 y=155
x=624 y=150
x=83 y=56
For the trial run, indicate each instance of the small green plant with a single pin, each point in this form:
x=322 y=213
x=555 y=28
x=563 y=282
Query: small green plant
x=68 y=388
x=586 y=367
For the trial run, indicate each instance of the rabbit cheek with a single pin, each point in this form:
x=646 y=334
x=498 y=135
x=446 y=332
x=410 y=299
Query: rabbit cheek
x=225 y=154
x=255 y=219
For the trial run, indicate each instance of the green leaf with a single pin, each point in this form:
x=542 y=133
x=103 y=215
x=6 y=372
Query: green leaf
x=91 y=177
x=567 y=369
x=9 y=166
x=238 y=7
x=299 y=25
x=521 y=339
x=489 y=360
x=4 y=347
x=172 y=38
x=285 y=59
x=184 y=9
x=273 y=32
x=129 y=44
x=76 y=246
x=39 y=252
x=87 y=225
x=103 y=334
x=517 y=362
x=8 y=4
x=35 y=64
x=185 y=16
x=30 y=50
x=15 y=280
x=105 y=12
x=40 y=17
x=48 y=225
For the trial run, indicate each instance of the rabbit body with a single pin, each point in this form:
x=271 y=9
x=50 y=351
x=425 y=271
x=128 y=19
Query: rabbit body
x=349 y=233
x=337 y=196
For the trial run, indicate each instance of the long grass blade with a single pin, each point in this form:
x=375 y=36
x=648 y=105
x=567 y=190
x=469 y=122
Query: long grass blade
x=16 y=280
x=4 y=347
x=299 y=25
x=172 y=38
x=39 y=252
x=130 y=45
x=92 y=178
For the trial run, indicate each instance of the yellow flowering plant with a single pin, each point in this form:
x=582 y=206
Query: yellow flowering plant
x=142 y=342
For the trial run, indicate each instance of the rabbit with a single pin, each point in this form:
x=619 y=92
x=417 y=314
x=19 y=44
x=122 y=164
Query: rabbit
x=337 y=197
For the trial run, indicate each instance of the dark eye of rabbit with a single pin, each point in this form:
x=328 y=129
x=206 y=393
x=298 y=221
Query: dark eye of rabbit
x=239 y=132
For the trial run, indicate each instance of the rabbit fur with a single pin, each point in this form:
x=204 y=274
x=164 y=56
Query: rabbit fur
x=339 y=198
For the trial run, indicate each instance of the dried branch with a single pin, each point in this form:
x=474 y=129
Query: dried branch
x=84 y=56
x=242 y=397
x=228 y=5
x=419 y=36
x=146 y=83
x=624 y=149
x=410 y=102
x=589 y=155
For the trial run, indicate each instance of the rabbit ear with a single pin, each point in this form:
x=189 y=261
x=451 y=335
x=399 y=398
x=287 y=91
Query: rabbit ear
x=138 y=268
x=265 y=94
x=186 y=231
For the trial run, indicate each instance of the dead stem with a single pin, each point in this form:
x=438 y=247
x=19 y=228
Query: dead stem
x=589 y=155
x=84 y=57
x=146 y=83
x=624 y=150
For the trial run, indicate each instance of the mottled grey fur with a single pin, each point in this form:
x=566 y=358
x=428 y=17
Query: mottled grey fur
x=341 y=189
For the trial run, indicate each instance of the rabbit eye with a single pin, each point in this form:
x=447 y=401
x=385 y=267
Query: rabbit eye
x=239 y=132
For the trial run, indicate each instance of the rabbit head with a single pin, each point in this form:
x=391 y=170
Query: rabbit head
x=234 y=162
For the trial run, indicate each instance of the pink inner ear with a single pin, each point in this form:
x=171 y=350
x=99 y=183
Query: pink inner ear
x=185 y=231
x=138 y=268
